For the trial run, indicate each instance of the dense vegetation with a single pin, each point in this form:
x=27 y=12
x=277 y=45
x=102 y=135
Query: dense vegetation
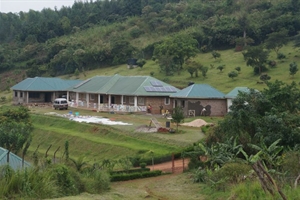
x=257 y=140
x=90 y=35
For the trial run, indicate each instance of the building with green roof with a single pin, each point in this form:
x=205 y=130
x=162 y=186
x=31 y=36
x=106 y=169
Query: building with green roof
x=233 y=94
x=201 y=99
x=41 y=89
x=15 y=162
x=122 y=93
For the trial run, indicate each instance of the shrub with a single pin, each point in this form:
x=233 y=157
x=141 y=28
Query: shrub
x=272 y=63
x=143 y=165
x=97 y=181
x=232 y=172
x=131 y=176
x=64 y=180
x=281 y=56
x=130 y=171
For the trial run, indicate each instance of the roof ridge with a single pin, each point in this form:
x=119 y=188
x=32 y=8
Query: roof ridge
x=42 y=79
x=141 y=84
x=190 y=90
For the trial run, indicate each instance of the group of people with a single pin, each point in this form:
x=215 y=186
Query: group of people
x=149 y=110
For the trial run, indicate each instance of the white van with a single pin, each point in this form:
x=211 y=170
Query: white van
x=60 y=103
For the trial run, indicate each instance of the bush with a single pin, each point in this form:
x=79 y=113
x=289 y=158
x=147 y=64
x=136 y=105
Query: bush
x=281 y=56
x=143 y=165
x=232 y=172
x=130 y=171
x=97 y=182
x=131 y=176
x=272 y=63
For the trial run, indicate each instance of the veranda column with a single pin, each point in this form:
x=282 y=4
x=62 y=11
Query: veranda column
x=135 y=103
x=174 y=103
x=27 y=97
x=87 y=100
x=68 y=96
x=77 y=99
x=99 y=98
x=109 y=100
x=122 y=99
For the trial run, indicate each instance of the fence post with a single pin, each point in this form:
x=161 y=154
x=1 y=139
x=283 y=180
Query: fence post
x=172 y=162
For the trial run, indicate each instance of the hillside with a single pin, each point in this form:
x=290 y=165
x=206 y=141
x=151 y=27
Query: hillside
x=217 y=79
x=99 y=37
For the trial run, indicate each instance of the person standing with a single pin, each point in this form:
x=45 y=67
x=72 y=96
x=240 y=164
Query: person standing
x=203 y=112
x=149 y=108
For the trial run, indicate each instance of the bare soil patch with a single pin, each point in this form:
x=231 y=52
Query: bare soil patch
x=196 y=123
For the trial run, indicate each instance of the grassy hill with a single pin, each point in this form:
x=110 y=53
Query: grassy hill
x=98 y=142
x=217 y=79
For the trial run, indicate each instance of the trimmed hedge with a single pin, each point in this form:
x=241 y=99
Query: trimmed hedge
x=130 y=171
x=136 y=175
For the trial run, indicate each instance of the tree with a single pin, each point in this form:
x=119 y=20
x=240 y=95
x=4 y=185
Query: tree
x=277 y=40
x=221 y=67
x=141 y=62
x=179 y=47
x=204 y=71
x=215 y=54
x=256 y=57
x=293 y=68
x=238 y=69
x=193 y=67
x=232 y=74
x=265 y=77
x=15 y=130
x=265 y=116
x=177 y=116
x=167 y=65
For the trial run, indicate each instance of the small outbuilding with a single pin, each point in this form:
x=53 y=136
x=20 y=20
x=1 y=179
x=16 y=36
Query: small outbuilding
x=233 y=94
x=201 y=99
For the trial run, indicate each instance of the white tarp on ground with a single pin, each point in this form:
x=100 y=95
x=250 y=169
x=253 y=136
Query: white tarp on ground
x=89 y=119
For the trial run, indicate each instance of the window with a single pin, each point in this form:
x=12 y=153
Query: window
x=141 y=101
x=92 y=96
x=34 y=95
x=131 y=100
x=167 y=101
x=16 y=94
x=21 y=94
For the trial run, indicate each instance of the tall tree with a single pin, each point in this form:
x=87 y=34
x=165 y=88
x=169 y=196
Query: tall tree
x=277 y=40
x=180 y=47
x=256 y=57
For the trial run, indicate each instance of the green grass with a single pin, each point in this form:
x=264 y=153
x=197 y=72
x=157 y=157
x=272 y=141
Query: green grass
x=215 y=78
x=97 y=142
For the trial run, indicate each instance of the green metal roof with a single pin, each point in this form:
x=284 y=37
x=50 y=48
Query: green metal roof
x=45 y=84
x=122 y=85
x=199 y=91
x=15 y=162
x=233 y=93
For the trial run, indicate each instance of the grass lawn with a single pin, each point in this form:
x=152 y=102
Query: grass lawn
x=97 y=142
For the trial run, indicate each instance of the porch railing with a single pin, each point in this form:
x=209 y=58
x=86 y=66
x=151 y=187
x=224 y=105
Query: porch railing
x=107 y=108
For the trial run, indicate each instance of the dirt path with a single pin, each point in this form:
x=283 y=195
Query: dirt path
x=179 y=165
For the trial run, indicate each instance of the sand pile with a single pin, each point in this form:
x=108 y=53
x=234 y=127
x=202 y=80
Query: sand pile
x=196 y=123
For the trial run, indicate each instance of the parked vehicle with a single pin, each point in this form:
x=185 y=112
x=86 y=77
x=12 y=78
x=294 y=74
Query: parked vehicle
x=60 y=104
